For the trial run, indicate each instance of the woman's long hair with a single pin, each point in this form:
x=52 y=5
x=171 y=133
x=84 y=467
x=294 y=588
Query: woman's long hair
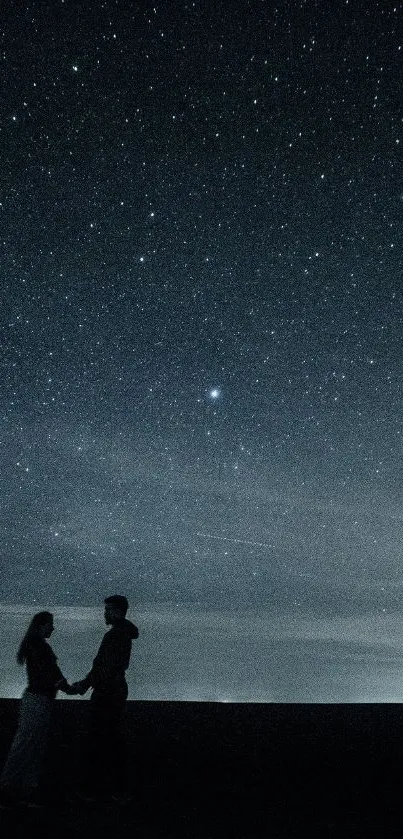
x=37 y=621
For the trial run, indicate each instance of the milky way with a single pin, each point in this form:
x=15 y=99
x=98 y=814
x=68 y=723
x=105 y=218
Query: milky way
x=202 y=319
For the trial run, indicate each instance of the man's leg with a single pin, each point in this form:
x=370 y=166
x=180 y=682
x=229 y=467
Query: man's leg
x=95 y=756
x=117 y=745
x=121 y=773
x=107 y=749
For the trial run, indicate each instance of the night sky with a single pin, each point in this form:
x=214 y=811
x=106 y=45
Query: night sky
x=202 y=310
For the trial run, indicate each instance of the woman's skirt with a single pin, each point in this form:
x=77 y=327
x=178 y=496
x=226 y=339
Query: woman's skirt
x=22 y=770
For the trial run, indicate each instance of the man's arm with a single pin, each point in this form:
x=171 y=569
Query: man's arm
x=113 y=656
x=82 y=686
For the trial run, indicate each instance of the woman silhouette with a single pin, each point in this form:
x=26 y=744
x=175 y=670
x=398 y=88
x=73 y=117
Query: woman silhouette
x=22 y=771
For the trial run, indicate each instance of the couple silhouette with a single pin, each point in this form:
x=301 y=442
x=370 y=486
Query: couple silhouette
x=105 y=764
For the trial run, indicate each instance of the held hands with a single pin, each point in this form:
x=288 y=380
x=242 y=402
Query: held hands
x=72 y=690
x=78 y=688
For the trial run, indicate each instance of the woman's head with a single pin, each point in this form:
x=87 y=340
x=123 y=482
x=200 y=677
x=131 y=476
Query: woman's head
x=41 y=626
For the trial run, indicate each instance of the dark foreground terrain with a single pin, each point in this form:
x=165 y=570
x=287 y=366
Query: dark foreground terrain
x=221 y=770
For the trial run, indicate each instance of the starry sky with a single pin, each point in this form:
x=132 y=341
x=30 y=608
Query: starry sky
x=202 y=306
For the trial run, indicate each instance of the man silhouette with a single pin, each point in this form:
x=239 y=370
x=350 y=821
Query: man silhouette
x=106 y=766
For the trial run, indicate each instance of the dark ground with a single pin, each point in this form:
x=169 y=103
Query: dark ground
x=201 y=770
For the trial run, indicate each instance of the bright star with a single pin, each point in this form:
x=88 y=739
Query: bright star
x=214 y=393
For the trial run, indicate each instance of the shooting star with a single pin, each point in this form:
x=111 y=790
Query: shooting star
x=237 y=541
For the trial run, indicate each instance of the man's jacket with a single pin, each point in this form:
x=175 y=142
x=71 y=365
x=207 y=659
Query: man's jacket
x=113 y=657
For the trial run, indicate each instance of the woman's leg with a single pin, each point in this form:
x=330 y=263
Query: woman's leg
x=22 y=770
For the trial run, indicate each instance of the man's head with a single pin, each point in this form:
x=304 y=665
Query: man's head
x=116 y=607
